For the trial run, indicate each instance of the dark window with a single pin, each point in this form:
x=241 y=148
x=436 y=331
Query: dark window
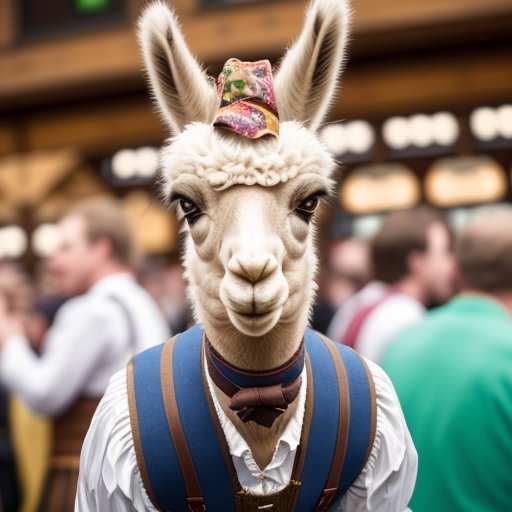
x=39 y=17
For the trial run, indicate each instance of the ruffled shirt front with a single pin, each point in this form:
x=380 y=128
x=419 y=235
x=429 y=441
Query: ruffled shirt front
x=110 y=478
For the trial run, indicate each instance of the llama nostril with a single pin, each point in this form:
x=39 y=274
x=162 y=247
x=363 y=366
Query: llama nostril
x=252 y=268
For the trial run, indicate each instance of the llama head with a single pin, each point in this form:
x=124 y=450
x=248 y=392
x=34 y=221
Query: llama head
x=249 y=204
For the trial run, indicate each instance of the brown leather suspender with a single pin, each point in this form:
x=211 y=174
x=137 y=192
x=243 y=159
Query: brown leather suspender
x=195 y=497
x=331 y=486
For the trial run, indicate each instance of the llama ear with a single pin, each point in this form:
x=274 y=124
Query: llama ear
x=308 y=76
x=181 y=89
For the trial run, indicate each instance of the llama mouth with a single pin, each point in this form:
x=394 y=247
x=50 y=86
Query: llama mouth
x=255 y=318
x=250 y=316
x=255 y=324
x=257 y=315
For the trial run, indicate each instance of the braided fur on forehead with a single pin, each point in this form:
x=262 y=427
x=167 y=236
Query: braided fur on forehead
x=223 y=160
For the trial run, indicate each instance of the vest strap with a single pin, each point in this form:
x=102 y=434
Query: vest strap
x=195 y=499
x=136 y=435
x=354 y=328
x=333 y=480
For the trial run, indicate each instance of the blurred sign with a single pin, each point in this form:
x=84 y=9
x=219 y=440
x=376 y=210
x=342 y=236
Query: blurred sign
x=353 y=140
x=421 y=134
x=130 y=167
x=377 y=188
x=465 y=180
x=491 y=127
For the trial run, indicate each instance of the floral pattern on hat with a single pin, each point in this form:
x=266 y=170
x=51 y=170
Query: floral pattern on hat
x=247 y=99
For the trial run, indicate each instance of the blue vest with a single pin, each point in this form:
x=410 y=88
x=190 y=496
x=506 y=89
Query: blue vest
x=166 y=382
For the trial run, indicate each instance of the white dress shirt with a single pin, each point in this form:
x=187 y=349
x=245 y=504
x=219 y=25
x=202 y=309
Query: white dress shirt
x=89 y=341
x=385 y=322
x=110 y=478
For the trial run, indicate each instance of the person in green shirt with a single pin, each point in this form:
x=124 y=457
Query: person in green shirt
x=453 y=376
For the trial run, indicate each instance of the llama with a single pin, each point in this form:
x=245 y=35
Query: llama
x=248 y=201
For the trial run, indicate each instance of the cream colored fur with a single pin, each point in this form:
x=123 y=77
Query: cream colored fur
x=308 y=76
x=181 y=89
x=249 y=258
x=224 y=160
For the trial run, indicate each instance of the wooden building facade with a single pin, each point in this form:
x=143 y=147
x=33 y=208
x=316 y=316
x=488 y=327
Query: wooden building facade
x=71 y=81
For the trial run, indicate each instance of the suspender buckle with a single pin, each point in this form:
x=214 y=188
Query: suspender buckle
x=326 y=499
x=196 y=504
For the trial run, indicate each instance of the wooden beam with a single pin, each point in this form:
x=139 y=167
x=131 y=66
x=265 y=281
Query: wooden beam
x=376 y=15
x=250 y=31
x=77 y=61
x=370 y=90
x=394 y=86
x=7 y=22
x=96 y=131
x=7 y=139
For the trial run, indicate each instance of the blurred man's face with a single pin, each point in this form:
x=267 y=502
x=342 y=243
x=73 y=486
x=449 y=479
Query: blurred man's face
x=438 y=265
x=349 y=269
x=75 y=261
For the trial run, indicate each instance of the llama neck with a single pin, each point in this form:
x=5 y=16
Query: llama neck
x=261 y=353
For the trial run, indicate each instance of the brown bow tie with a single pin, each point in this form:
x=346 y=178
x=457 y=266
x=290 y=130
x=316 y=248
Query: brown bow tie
x=262 y=405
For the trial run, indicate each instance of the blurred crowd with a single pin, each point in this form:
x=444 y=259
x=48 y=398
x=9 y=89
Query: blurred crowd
x=88 y=309
x=430 y=305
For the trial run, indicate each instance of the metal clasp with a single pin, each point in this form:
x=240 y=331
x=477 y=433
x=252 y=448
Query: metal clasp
x=196 y=505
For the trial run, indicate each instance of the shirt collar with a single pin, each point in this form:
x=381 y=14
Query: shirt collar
x=110 y=282
x=473 y=303
x=238 y=447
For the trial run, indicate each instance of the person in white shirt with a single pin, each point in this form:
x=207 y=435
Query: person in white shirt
x=94 y=334
x=414 y=268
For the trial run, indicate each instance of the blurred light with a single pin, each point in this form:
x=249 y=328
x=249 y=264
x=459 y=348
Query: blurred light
x=445 y=128
x=366 y=226
x=469 y=180
x=484 y=123
x=421 y=131
x=459 y=217
x=146 y=162
x=396 y=132
x=90 y=6
x=334 y=138
x=46 y=240
x=379 y=187
x=13 y=242
x=360 y=136
x=124 y=164
x=504 y=121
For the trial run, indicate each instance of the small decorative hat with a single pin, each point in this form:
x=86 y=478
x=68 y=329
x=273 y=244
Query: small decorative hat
x=247 y=99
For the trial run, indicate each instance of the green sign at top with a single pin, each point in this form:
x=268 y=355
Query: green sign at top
x=91 y=6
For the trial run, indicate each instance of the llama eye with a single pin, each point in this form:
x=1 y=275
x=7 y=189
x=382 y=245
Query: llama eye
x=307 y=207
x=187 y=206
x=191 y=211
